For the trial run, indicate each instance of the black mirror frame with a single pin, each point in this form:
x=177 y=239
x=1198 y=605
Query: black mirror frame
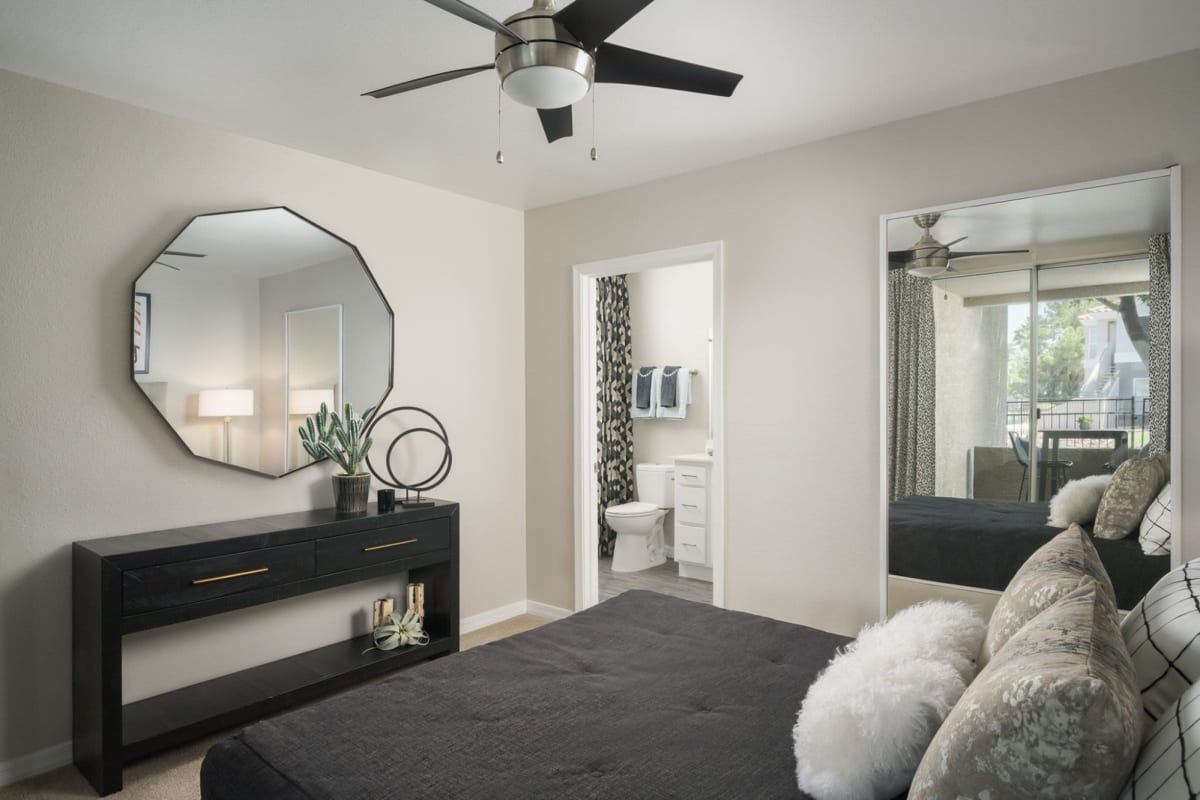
x=366 y=270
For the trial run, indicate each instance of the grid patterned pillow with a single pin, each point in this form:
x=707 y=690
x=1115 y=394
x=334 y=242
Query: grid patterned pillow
x=1170 y=758
x=1155 y=534
x=1162 y=633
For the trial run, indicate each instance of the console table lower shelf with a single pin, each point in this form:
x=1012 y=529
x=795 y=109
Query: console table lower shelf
x=126 y=584
x=173 y=718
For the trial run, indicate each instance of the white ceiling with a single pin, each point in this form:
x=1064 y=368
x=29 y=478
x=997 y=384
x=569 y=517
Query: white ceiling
x=1134 y=209
x=253 y=244
x=291 y=71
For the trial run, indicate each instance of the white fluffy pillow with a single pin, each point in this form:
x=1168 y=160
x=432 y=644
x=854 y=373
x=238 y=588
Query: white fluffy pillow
x=868 y=718
x=1077 y=501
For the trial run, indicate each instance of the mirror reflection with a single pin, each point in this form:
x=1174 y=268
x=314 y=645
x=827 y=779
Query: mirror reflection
x=1028 y=351
x=246 y=323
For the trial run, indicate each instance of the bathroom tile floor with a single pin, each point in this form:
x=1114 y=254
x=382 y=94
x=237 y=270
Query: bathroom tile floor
x=663 y=578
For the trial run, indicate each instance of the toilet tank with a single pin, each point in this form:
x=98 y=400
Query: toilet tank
x=656 y=484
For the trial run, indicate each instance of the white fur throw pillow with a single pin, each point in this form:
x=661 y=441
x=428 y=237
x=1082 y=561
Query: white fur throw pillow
x=1077 y=501
x=868 y=718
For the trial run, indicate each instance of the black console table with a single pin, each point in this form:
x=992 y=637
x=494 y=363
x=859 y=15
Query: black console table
x=126 y=584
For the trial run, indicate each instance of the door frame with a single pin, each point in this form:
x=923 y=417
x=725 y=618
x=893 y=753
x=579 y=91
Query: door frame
x=587 y=534
x=1177 y=501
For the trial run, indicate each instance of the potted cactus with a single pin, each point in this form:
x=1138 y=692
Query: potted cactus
x=343 y=440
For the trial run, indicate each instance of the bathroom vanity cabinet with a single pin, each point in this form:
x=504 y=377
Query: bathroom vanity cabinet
x=693 y=529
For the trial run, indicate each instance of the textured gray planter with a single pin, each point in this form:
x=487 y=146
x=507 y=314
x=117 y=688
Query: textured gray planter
x=350 y=492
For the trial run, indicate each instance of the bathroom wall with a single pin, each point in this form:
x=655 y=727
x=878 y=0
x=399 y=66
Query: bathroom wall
x=670 y=316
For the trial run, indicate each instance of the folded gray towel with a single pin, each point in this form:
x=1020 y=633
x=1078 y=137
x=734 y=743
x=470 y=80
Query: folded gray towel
x=645 y=378
x=670 y=387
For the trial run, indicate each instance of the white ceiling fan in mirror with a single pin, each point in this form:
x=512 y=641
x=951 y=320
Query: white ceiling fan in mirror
x=260 y=304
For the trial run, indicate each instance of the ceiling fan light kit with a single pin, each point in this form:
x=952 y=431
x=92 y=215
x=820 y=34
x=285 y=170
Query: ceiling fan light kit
x=549 y=59
x=547 y=67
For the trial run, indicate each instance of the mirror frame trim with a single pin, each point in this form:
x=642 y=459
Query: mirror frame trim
x=1172 y=172
x=361 y=262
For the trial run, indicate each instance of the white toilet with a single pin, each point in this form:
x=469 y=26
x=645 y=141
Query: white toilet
x=639 y=526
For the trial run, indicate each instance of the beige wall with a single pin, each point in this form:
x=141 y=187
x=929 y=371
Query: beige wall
x=91 y=191
x=801 y=233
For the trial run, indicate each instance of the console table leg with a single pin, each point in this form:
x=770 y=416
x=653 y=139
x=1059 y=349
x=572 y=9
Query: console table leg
x=96 y=670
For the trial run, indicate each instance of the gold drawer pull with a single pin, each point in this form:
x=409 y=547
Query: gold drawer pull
x=386 y=546
x=258 y=571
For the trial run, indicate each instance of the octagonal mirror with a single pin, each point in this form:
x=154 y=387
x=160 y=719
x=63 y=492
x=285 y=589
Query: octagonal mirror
x=246 y=323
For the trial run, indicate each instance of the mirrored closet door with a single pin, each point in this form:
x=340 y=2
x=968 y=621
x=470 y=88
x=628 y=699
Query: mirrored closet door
x=1028 y=345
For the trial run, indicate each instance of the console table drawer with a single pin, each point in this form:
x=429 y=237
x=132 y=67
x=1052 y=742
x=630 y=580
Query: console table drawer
x=154 y=588
x=381 y=545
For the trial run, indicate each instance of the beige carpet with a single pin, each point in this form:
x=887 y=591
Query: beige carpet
x=175 y=775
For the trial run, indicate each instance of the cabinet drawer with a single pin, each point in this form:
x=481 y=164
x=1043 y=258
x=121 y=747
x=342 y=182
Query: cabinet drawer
x=690 y=475
x=691 y=544
x=154 y=588
x=690 y=505
x=382 y=544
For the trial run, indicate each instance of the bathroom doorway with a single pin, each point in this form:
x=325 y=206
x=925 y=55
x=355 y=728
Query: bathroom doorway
x=670 y=510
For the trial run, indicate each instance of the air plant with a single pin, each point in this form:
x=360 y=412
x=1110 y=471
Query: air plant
x=399 y=630
x=327 y=435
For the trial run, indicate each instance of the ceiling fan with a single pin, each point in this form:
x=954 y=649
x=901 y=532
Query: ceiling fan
x=177 y=254
x=548 y=59
x=929 y=258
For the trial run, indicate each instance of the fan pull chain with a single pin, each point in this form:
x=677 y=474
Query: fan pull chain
x=593 y=122
x=499 y=129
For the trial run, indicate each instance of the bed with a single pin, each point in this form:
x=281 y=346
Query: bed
x=982 y=543
x=641 y=696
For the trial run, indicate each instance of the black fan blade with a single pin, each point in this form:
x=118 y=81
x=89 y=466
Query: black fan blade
x=969 y=254
x=616 y=64
x=165 y=264
x=593 y=21
x=471 y=14
x=428 y=80
x=900 y=256
x=181 y=253
x=556 y=122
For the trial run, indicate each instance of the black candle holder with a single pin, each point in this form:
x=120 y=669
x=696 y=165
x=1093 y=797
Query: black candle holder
x=386 y=501
x=440 y=474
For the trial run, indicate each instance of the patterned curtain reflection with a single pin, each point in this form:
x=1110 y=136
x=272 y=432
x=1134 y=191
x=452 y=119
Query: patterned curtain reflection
x=1160 y=342
x=912 y=385
x=614 y=371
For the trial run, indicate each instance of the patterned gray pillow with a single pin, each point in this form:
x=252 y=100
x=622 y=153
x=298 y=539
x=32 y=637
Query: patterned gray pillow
x=1162 y=634
x=1051 y=572
x=1054 y=715
x=1167 y=767
x=1133 y=486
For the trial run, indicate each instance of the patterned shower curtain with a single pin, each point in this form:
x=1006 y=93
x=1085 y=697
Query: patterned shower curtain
x=614 y=373
x=912 y=386
x=1160 y=342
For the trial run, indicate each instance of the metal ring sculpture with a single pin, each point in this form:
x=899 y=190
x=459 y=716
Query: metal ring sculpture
x=440 y=474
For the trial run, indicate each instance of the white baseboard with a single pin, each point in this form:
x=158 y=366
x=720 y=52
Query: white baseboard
x=22 y=767
x=544 y=610
x=59 y=755
x=491 y=617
